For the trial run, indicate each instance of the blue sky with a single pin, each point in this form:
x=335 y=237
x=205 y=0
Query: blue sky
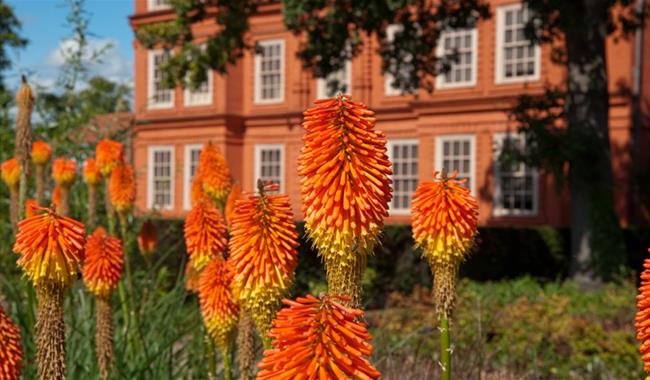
x=44 y=25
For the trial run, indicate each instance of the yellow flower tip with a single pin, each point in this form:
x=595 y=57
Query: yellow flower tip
x=64 y=171
x=205 y=234
x=108 y=153
x=41 y=152
x=92 y=175
x=10 y=172
x=345 y=183
x=51 y=248
x=214 y=173
x=31 y=207
x=642 y=318
x=262 y=246
x=11 y=351
x=445 y=219
x=218 y=306
x=122 y=187
x=303 y=343
x=103 y=263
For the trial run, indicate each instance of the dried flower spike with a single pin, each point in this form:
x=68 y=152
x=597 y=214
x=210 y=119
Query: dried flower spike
x=263 y=254
x=11 y=350
x=318 y=339
x=218 y=305
x=214 y=173
x=41 y=152
x=108 y=154
x=64 y=171
x=205 y=234
x=345 y=188
x=51 y=248
x=103 y=264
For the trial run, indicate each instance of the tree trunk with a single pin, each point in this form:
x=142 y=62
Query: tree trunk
x=596 y=243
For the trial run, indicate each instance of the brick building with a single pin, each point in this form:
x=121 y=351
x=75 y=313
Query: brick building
x=254 y=113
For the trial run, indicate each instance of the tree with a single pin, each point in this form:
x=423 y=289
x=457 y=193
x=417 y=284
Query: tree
x=566 y=126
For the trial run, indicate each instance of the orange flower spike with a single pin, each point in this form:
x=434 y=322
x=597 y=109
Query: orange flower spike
x=31 y=207
x=64 y=171
x=445 y=219
x=642 y=318
x=345 y=181
x=92 y=175
x=108 y=154
x=205 y=234
x=41 y=152
x=147 y=239
x=218 y=307
x=263 y=241
x=234 y=195
x=51 y=248
x=318 y=339
x=10 y=172
x=103 y=264
x=122 y=187
x=11 y=351
x=214 y=173
x=197 y=192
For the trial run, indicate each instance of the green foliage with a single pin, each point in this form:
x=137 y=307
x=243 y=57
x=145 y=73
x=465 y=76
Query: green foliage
x=518 y=329
x=9 y=38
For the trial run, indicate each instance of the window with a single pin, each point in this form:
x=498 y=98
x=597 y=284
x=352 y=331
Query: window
x=269 y=72
x=159 y=96
x=404 y=156
x=458 y=152
x=461 y=46
x=517 y=58
x=200 y=96
x=191 y=163
x=161 y=177
x=342 y=79
x=157 y=5
x=515 y=184
x=389 y=88
x=269 y=164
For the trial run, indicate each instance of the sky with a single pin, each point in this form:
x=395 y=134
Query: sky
x=44 y=25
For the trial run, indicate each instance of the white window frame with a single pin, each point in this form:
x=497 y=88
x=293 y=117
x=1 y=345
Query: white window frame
x=389 y=89
x=258 y=72
x=187 y=175
x=151 y=54
x=206 y=99
x=150 y=174
x=440 y=79
x=321 y=84
x=389 y=145
x=439 y=152
x=499 y=64
x=258 y=157
x=153 y=6
x=498 y=210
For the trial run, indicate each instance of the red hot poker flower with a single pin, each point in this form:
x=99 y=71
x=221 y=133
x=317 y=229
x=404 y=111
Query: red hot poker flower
x=218 y=305
x=64 y=171
x=11 y=351
x=108 y=154
x=318 y=339
x=41 y=152
x=122 y=187
x=214 y=173
x=10 y=172
x=91 y=173
x=642 y=318
x=205 y=234
x=103 y=264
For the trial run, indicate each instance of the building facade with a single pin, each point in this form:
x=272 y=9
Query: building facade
x=254 y=114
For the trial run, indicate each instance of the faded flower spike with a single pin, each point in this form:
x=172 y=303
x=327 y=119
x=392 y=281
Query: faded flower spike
x=51 y=248
x=318 y=339
x=345 y=188
x=263 y=252
x=108 y=154
x=218 y=305
x=214 y=174
x=205 y=234
x=103 y=264
x=11 y=350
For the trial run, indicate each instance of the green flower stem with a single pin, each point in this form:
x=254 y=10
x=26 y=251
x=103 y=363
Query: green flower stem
x=227 y=366
x=445 y=347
